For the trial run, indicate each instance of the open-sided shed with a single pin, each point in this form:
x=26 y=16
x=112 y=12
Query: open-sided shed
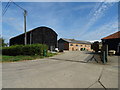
x=113 y=42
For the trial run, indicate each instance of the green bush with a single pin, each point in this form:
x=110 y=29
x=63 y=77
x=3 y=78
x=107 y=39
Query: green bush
x=33 y=49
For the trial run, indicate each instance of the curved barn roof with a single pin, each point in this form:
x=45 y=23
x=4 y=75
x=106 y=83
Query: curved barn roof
x=43 y=28
x=38 y=28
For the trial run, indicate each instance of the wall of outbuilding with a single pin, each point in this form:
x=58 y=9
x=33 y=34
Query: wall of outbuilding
x=112 y=43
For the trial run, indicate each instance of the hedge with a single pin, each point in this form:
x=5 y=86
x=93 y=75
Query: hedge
x=33 y=49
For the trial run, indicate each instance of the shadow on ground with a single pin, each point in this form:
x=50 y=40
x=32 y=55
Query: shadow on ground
x=93 y=57
x=67 y=60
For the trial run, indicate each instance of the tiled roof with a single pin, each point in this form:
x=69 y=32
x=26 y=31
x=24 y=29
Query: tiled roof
x=76 y=41
x=113 y=36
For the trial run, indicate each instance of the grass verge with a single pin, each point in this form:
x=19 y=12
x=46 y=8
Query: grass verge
x=21 y=57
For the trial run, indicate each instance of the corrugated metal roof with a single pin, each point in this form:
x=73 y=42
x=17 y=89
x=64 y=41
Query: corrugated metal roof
x=113 y=36
x=76 y=41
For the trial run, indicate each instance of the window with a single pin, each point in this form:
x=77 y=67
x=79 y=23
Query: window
x=76 y=45
x=71 y=44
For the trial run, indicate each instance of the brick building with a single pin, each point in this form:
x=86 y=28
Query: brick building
x=73 y=45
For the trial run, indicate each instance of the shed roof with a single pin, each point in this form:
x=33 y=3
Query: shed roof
x=113 y=36
x=75 y=41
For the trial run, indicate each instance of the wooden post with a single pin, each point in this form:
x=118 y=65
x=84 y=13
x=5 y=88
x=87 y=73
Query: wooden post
x=104 y=61
x=106 y=53
x=30 y=38
x=25 y=13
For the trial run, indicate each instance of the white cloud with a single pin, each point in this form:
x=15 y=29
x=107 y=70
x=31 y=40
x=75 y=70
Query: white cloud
x=94 y=41
x=83 y=7
x=16 y=24
x=13 y=18
x=96 y=14
x=102 y=31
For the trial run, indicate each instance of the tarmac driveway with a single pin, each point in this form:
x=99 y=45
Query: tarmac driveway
x=66 y=70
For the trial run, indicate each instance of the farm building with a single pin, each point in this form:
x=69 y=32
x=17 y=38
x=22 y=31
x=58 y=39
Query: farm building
x=42 y=35
x=113 y=42
x=73 y=45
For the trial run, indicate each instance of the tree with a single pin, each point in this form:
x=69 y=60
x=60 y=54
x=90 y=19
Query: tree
x=95 y=46
x=2 y=42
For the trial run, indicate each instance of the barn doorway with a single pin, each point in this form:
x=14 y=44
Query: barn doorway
x=72 y=49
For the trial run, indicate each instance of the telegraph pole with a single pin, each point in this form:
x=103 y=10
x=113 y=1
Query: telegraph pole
x=25 y=14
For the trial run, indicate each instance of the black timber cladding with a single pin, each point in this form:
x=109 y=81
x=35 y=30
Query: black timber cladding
x=42 y=35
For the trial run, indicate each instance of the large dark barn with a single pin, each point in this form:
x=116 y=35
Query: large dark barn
x=42 y=35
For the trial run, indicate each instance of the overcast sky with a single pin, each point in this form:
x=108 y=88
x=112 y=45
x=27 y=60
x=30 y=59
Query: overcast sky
x=78 y=20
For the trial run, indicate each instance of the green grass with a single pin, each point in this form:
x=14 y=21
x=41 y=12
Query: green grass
x=21 y=57
x=51 y=54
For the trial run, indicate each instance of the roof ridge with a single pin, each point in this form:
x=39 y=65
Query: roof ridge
x=76 y=41
x=113 y=36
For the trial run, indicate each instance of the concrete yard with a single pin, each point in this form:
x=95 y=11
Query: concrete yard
x=66 y=70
